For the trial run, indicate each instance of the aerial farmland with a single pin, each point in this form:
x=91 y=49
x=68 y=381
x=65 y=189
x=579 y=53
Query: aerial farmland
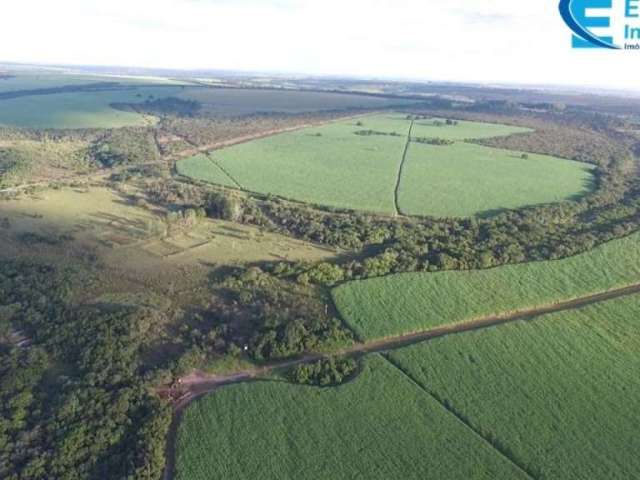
x=257 y=277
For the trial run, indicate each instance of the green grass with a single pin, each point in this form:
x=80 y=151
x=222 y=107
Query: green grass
x=561 y=394
x=379 y=426
x=464 y=179
x=404 y=303
x=332 y=166
x=78 y=110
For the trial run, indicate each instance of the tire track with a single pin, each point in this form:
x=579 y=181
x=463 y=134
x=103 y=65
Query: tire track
x=396 y=192
x=224 y=170
x=460 y=419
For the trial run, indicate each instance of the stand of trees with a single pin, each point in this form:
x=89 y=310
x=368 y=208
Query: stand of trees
x=433 y=141
x=324 y=373
x=75 y=403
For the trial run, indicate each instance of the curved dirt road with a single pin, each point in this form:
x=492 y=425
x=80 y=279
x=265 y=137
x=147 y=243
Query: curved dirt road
x=201 y=384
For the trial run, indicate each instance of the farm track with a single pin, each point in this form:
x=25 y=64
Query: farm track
x=198 y=385
x=257 y=136
x=224 y=170
x=396 y=192
x=460 y=419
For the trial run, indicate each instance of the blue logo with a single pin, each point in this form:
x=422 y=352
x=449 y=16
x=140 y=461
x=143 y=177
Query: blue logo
x=581 y=16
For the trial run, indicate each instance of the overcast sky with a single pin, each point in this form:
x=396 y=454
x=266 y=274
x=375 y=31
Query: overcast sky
x=497 y=41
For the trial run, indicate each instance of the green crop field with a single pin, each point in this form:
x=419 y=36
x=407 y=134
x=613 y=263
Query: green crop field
x=482 y=180
x=332 y=166
x=379 y=426
x=79 y=110
x=560 y=394
x=398 y=304
x=337 y=168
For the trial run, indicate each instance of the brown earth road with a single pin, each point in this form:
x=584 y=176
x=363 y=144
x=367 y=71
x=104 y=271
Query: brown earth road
x=200 y=384
x=256 y=136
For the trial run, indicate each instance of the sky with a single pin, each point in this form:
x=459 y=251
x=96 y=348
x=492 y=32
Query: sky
x=488 y=41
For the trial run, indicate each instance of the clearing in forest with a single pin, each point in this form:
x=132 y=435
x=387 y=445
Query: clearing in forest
x=355 y=164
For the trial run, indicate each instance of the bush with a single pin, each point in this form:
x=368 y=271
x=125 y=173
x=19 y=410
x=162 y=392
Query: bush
x=225 y=206
x=325 y=372
x=322 y=274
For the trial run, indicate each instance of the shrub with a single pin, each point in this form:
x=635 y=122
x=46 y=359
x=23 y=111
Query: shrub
x=326 y=372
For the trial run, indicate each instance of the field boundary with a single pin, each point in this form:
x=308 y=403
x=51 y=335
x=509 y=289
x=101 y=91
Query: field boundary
x=224 y=171
x=460 y=419
x=396 y=191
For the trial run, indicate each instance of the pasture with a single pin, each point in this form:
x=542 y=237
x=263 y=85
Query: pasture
x=559 y=394
x=464 y=179
x=355 y=164
x=378 y=426
x=129 y=236
x=405 y=303
x=80 y=110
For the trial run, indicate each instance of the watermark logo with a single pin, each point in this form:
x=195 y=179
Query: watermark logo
x=604 y=24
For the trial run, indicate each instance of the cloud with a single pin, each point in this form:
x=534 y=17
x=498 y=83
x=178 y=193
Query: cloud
x=464 y=40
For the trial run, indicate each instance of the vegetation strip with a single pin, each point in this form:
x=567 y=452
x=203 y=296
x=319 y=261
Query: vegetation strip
x=459 y=418
x=396 y=191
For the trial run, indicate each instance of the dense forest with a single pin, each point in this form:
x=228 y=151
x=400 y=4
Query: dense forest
x=76 y=403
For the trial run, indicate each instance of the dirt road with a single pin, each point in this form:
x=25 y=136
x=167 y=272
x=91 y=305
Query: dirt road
x=197 y=385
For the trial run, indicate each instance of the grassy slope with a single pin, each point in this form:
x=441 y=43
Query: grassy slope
x=379 y=426
x=561 y=394
x=409 y=302
x=77 y=110
x=463 y=180
x=338 y=168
